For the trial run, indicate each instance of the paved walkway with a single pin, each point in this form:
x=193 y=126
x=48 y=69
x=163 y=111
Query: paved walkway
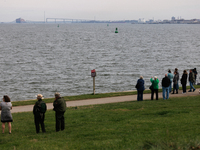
x=102 y=101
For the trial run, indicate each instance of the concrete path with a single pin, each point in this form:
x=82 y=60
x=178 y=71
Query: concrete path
x=102 y=101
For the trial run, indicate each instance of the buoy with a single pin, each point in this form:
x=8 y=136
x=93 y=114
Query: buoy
x=58 y=25
x=116 y=31
x=107 y=25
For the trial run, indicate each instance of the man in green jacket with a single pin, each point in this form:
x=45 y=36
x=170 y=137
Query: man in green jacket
x=154 y=82
x=60 y=108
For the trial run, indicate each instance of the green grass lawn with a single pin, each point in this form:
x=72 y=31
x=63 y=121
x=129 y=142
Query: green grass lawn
x=164 y=124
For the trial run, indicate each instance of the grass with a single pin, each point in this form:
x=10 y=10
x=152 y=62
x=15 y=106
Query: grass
x=86 y=96
x=148 y=125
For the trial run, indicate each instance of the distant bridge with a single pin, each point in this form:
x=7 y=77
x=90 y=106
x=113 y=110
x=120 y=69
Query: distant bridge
x=64 y=20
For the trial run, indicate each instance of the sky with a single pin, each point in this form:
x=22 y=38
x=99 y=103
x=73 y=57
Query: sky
x=37 y=10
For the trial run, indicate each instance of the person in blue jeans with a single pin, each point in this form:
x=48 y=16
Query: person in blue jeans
x=170 y=76
x=140 y=89
x=195 y=74
x=165 y=86
x=191 y=80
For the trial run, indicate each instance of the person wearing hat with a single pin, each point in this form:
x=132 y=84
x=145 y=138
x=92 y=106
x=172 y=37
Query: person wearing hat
x=39 y=110
x=154 y=82
x=59 y=108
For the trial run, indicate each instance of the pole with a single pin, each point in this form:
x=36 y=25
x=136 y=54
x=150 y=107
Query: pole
x=93 y=74
x=44 y=17
x=94 y=85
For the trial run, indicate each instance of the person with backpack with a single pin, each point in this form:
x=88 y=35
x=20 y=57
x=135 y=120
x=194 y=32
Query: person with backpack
x=59 y=108
x=39 y=110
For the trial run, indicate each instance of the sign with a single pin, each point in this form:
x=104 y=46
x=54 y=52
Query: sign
x=93 y=73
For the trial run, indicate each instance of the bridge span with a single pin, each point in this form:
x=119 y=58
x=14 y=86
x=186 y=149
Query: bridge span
x=65 y=20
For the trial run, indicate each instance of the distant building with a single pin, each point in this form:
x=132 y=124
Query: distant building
x=20 y=20
x=151 y=21
x=173 y=18
x=166 y=21
x=141 y=20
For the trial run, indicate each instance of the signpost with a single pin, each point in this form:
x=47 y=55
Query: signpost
x=93 y=74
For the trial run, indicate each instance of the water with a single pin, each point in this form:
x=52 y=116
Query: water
x=44 y=58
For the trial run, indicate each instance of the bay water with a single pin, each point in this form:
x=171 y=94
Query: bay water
x=45 y=58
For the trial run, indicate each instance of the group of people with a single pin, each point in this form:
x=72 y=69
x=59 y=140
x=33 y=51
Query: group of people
x=39 y=110
x=59 y=103
x=167 y=84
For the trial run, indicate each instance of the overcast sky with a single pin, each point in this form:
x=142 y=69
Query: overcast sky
x=98 y=9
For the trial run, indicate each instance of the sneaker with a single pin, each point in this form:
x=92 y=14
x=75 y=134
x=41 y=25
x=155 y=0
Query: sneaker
x=183 y=92
x=194 y=90
x=189 y=91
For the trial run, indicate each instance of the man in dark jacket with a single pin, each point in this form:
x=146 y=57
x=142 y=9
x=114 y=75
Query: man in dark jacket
x=165 y=86
x=140 y=89
x=39 y=110
x=60 y=108
x=184 y=81
x=191 y=80
x=175 y=82
x=195 y=74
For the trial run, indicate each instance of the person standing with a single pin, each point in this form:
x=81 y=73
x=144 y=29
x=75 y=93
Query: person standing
x=165 y=86
x=177 y=74
x=170 y=76
x=191 y=80
x=154 y=82
x=39 y=110
x=6 y=115
x=195 y=74
x=140 y=89
x=175 y=82
x=59 y=108
x=184 y=80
